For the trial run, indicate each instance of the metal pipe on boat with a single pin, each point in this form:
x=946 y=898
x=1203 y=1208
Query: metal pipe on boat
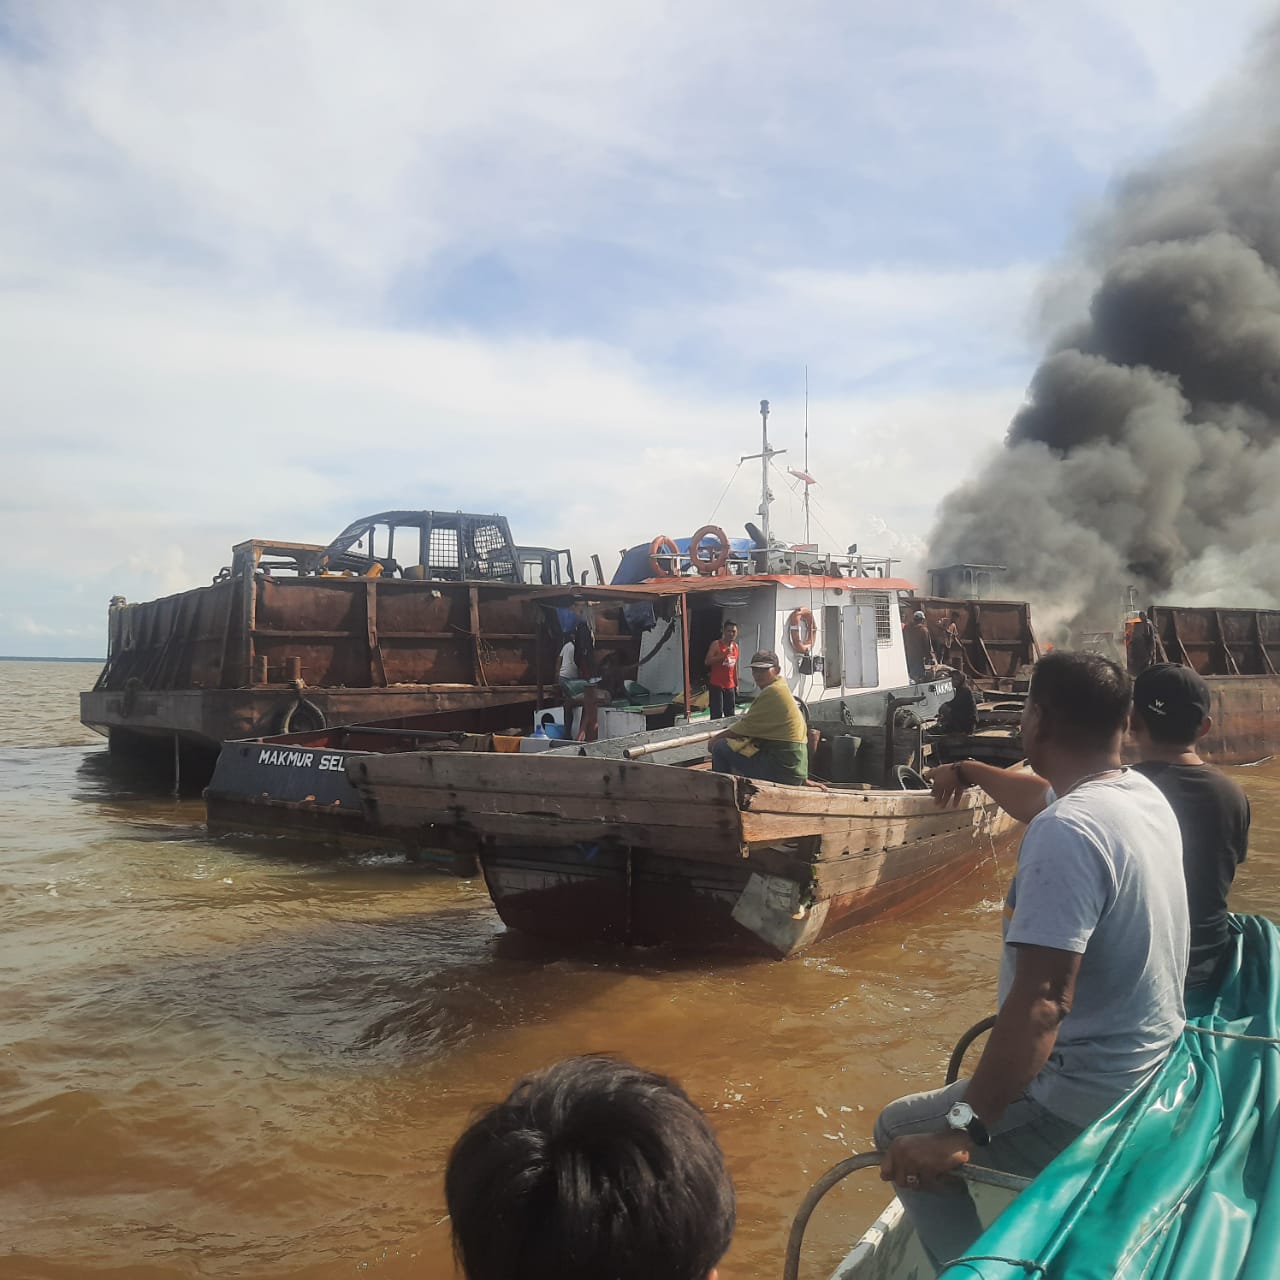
x=962 y=1046
x=684 y=647
x=651 y=748
x=871 y=1160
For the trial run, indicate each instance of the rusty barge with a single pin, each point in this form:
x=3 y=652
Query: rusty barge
x=1238 y=653
x=405 y=613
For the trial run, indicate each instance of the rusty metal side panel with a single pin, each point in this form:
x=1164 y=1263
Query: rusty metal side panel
x=176 y=642
x=997 y=635
x=1246 y=719
x=364 y=632
x=1220 y=642
x=342 y=632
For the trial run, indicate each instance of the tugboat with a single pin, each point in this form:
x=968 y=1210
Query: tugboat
x=634 y=840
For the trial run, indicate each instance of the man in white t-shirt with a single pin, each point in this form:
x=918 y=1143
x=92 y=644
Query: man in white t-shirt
x=1090 y=992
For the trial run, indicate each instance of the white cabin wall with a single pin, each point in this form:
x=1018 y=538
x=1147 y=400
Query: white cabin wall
x=762 y=624
x=755 y=621
x=813 y=687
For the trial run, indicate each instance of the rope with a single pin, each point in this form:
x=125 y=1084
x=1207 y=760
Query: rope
x=732 y=478
x=1232 y=1035
x=1031 y=1268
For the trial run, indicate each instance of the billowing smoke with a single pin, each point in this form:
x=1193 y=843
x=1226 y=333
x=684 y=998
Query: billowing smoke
x=1148 y=451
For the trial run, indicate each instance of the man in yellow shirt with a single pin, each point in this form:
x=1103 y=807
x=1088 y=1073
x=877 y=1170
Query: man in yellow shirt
x=770 y=741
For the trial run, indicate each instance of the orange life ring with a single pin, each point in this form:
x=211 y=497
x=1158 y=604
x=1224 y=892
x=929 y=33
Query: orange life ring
x=663 y=548
x=708 y=568
x=801 y=630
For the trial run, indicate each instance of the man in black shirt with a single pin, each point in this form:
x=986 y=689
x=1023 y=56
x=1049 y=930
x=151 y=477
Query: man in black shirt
x=960 y=715
x=1170 y=716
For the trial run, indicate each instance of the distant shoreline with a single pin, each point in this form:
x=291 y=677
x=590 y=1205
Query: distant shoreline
x=20 y=657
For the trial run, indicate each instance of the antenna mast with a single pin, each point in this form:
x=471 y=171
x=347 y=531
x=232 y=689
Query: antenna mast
x=806 y=452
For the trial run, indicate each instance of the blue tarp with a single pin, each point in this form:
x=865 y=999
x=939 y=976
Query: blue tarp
x=1179 y=1181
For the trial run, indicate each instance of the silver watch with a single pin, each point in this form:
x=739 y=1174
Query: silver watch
x=963 y=1119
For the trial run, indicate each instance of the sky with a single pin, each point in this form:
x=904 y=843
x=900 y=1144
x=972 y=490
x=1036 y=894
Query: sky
x=265 y=268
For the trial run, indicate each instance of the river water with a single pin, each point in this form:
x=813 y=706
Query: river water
x=248 y=1058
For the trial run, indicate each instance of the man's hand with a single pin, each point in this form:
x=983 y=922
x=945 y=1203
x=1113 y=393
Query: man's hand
x=947 y=785
x=922 y=1161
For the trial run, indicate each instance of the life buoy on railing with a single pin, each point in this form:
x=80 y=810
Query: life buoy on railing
x=801 y=630
x=662 y=548
x=709 y=566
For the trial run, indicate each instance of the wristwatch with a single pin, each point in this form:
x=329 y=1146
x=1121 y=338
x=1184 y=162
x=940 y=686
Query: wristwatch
x=963 y=1119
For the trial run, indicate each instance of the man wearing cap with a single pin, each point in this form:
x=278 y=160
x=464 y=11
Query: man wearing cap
x=918 y=644
x=769 y=741
x=1170 y=716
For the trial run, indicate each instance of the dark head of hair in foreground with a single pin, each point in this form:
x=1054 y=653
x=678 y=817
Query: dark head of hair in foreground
x=1083 y=698
x=590 y=1170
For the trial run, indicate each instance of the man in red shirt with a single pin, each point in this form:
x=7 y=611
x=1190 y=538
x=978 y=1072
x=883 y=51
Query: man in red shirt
x=722 y=672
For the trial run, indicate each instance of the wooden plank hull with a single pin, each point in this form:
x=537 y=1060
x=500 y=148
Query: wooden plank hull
x=606 y=851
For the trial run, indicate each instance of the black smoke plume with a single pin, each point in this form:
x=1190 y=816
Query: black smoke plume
x=1147 y=453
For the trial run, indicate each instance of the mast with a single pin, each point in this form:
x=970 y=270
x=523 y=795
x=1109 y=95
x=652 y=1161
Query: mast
x=765 y=455
x=806 y=453
x=765 y=496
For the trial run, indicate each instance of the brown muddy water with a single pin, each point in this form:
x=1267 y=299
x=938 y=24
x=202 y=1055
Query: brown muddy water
x=248 y=1058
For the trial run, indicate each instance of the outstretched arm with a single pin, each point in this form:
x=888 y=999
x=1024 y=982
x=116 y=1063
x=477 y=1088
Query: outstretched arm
x=1019 y=792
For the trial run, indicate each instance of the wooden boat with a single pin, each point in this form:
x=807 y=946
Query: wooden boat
x=296 y=783
x=584 y=848
x=1180 y=1179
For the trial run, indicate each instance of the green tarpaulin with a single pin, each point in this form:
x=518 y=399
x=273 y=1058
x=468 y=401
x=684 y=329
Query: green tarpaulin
x=1179 y=1180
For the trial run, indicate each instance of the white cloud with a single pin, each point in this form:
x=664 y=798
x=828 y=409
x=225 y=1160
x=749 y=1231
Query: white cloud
x=228 y=229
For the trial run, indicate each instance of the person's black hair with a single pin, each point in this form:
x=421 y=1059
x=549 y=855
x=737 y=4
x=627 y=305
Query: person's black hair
x=590 y=1170
x=728 y=622
x=1084 y=698
x=960 y=679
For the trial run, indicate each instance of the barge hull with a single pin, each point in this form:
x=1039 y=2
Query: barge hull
x=142 y=722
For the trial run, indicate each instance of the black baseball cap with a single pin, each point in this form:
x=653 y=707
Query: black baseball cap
x=1172 y=699
x=765 y=659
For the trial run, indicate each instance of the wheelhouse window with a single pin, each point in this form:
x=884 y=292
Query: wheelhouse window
x=884 y=620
